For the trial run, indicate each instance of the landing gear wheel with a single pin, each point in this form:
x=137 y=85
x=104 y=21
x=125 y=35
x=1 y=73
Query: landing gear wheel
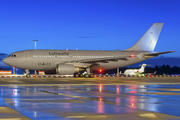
x=86 y=76
x=91 y=75
x=76 y=75
x=28 y=75
x=80 y=75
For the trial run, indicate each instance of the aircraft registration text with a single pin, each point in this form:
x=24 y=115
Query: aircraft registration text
x=44 y=64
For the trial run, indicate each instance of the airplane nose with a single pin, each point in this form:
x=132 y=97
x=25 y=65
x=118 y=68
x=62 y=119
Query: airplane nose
x=5 y=60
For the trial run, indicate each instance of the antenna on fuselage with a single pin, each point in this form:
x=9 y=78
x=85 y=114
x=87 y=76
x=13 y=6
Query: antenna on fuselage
x=35 y=42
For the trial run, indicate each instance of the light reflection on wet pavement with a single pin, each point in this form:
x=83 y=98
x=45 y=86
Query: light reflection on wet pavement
x=93 y=101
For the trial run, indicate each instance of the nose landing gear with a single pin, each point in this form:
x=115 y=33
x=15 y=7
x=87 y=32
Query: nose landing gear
x=27 y=73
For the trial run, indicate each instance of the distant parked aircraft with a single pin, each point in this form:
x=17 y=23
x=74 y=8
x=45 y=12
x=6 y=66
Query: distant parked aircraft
x=136 y=71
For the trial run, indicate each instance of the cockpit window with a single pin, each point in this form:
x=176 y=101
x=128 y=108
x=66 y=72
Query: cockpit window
x=13 y=55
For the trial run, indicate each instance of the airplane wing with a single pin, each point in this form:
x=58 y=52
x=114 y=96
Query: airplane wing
x=156 y=53
x=149 y=73
x=88 y=62
x=102 y=60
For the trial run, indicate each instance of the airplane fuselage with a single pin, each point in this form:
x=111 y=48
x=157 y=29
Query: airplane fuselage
x=48 y=59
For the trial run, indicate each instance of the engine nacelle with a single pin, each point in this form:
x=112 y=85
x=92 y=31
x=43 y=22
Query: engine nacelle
x=62 y=69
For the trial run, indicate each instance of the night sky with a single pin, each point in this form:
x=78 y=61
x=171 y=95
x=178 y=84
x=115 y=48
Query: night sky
x=87 y=24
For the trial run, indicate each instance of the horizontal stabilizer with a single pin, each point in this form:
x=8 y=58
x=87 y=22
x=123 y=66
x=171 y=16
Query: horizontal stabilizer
x=156 y=53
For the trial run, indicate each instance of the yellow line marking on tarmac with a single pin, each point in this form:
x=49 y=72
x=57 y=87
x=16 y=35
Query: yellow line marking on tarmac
x=75 y=116
x=148 y=115
x=85 y=116
x=8 y=113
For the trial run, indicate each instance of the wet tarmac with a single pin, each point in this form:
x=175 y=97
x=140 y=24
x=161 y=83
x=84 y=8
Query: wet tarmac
x=107 y=99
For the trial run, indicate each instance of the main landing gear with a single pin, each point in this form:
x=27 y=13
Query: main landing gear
x=89 y=75
x=78 y=75
x=86 y=74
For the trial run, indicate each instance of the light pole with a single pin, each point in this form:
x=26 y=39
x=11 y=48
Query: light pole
x=35 y=42
x=35 y=49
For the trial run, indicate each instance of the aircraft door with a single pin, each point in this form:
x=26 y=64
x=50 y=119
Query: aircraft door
x=26 y=56
x=70 y=57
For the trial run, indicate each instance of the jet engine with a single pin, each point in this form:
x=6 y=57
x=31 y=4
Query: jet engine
x=63 y=69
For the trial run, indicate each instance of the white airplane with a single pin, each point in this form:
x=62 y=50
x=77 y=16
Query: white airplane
x=68 y=62
x=135 y=71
